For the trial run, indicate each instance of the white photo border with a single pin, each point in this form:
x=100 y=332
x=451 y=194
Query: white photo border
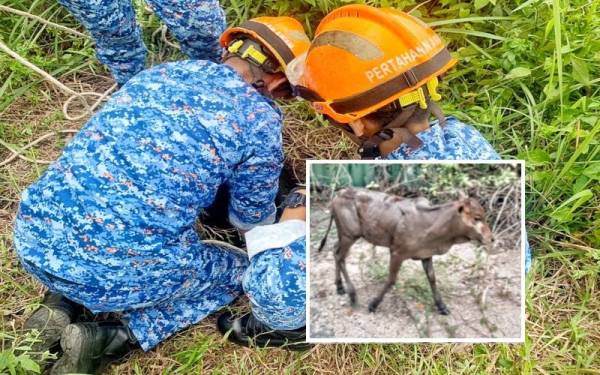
x=411 y=340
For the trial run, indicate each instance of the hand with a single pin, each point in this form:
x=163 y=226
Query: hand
x=298 y=213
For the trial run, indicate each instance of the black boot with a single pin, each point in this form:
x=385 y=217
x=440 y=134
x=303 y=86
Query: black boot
x=248 y=331
x=50 y=319
x=90 y=347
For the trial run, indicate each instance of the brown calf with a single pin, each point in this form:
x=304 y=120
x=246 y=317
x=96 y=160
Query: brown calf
x=411 y=228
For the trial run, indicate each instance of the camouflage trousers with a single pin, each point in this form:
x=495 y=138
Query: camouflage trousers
x=196 y=24
x=274 y=281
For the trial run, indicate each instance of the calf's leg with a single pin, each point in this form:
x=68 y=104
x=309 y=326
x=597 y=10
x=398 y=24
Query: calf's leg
x=395 y=263
x=339 y=286
x=340 y=262
x=428 y=267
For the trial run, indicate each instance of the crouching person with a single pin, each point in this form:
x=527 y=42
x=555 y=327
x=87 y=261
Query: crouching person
x=387 y=90
x=110 y=224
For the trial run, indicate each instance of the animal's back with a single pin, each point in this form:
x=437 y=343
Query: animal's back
x=369 y=214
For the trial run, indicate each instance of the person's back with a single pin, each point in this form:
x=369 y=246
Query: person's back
x=128 y=188
x=454 y=141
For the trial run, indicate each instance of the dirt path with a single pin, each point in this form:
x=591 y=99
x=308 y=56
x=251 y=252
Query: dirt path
x=483 y=304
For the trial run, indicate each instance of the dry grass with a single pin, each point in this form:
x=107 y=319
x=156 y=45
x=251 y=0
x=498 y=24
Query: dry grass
x=563 y=322
x=305 y=137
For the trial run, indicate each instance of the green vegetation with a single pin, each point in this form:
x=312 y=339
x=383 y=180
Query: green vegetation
x=528 y=78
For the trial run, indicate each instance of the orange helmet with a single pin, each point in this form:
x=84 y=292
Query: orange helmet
x=363 y=58
x=283 y=37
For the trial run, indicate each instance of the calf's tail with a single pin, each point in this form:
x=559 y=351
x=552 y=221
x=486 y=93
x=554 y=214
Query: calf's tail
x=326 y=233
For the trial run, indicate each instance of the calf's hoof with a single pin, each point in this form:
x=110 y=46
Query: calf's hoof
x=352 y=296
x=373 y=306
x=443 y=310
x=340 y=289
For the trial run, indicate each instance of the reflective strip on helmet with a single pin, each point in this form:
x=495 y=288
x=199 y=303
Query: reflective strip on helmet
x=355 y=44
x=274 y=41
x=388 y=89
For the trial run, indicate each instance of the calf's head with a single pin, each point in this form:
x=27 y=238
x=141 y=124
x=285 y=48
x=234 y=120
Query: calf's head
x=472 y=222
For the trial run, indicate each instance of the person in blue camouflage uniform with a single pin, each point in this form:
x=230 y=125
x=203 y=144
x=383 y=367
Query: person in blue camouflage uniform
x=196 y=24
x=110 y=224
x=455 y=141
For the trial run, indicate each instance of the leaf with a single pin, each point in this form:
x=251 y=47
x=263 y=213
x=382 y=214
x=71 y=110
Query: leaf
x=481 y=3
x=580 y=71
x=541 y=176
x=28 y=364
x=593 y=171
x=524 y=5
x=551 y=90
x=518 y=72
x=505 y=363
x=11 y=364
x=480 y=34
x=564 y=213
x=453 y=21
x=3 y=360
x=536 y=156
x=580 y=184
x=549 y=28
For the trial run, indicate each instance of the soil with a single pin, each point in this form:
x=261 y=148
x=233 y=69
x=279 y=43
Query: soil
x=482 y=292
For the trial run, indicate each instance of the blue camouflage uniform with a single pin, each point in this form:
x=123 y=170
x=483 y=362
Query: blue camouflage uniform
x=455 y=141
x=110 y=224
x=196 y=24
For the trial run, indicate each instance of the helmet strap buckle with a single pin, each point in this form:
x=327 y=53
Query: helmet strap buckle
x=253 y=53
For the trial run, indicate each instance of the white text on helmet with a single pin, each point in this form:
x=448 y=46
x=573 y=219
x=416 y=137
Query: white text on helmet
x=397 y=63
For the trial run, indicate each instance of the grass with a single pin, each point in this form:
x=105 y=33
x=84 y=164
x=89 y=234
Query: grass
x=527 y=79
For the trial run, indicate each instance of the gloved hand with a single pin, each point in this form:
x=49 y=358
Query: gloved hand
x=294 y=205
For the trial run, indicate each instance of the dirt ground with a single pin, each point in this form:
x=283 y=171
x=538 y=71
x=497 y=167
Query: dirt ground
x=482 y=292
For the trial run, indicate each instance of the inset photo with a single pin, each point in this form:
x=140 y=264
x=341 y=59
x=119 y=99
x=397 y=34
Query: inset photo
x=416 y=251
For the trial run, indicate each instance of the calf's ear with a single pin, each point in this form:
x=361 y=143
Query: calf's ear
x=462 y=196
x=464 y=207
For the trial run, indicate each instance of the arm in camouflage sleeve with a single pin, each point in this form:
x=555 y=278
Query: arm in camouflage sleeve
x=255 y=181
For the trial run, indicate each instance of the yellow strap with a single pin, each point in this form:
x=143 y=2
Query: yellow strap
x=235 y=46
x=418 y=95
x=258 y=56
x=432 y=85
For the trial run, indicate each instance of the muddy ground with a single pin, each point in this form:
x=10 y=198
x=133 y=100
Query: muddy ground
x=482 y=292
